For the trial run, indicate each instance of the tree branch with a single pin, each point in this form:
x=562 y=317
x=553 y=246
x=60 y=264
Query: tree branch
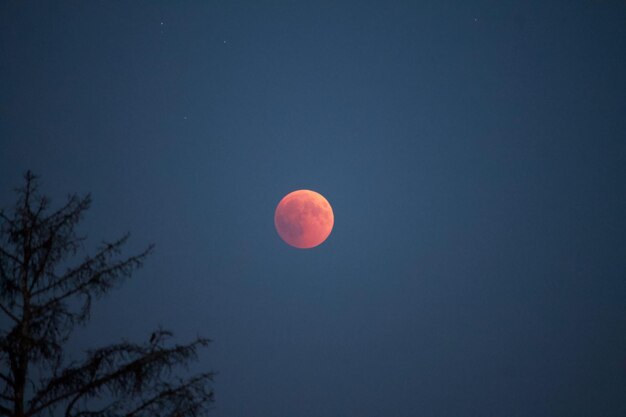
x=10 y=256
x=89 y=265
x=6 y=379
x=58 y=221
x=8 y=313
x=43 y=262
x=126 y=376
x=97 y=281
x=172 y=393
x=44 y=301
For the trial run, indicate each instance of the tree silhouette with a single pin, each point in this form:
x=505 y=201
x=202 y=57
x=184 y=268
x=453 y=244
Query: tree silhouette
x=43 y=301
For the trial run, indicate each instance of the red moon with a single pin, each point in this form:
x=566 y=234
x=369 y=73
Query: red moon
x=304 y=219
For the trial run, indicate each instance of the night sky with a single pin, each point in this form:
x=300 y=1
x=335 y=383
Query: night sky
x=474 y=154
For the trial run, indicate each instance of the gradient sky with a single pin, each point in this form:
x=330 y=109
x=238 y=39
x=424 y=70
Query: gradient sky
x=474 y=153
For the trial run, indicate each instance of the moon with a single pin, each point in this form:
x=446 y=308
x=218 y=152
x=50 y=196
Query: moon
x=304 y=219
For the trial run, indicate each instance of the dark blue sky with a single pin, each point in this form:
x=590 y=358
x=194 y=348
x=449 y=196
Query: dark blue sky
x=473 y=152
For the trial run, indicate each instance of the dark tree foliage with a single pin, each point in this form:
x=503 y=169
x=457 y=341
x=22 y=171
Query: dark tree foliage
x=43 y=301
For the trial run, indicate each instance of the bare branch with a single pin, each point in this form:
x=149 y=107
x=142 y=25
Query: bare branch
x=43 y=262
x=8 y=313
x=65 y=217
x=97 y=281
x=187 y=389
x=10 y=256
x=5 y=217
x=108 y=368
x=6 y=379
x=89 y=265
x=7 y=388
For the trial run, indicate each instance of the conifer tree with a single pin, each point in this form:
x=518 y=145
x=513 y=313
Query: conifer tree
x=43 y=300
